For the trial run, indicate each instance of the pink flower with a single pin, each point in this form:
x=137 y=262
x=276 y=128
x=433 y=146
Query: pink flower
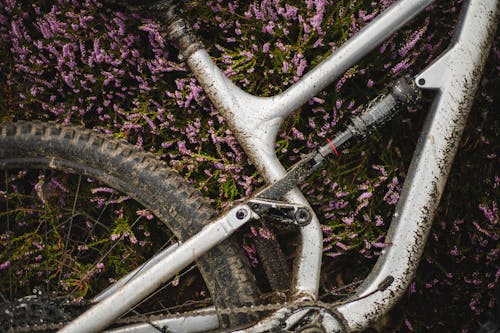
x=5 y=265
x=342 y=246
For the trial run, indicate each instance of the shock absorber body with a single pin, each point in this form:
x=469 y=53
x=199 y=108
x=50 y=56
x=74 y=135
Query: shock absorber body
x=379 y=111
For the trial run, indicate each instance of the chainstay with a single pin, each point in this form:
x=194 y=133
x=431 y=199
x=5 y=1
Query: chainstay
x=137 y=319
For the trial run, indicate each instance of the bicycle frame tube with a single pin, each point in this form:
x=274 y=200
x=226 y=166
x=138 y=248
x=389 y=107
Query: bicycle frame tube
x=154 y=274
x=135 y=273
x=256 y=120
x=456 y=75
x=199 y=323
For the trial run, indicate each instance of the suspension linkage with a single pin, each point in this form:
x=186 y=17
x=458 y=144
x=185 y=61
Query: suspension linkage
x=267 y=201
x=282 y=212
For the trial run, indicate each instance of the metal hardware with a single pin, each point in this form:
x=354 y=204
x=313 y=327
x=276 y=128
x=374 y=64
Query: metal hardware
x=180 y=33
x=282 y=212
x=242 y=213
x=303 y=216
x=384 y=108
x=378 y=112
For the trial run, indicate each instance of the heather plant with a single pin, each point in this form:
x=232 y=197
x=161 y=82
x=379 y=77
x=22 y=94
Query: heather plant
x=82 y=63
x=38 y=251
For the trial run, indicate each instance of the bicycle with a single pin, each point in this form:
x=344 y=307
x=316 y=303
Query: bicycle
x=140 y=175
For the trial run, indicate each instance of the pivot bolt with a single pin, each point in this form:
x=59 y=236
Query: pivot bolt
x=256 y=207
x=303 y=216
x=241 y=213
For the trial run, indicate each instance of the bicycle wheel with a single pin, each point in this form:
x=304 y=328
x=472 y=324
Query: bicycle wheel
x=102 y=165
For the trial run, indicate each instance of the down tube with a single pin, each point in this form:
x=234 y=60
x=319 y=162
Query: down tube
x=456 y=75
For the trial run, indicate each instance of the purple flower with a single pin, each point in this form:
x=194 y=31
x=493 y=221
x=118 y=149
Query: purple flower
x=378 y=221
x=348 y=220
x=491 y=214
x=392 y=195
x=408 y=325
x=269 y=28
x=301 y=67
x=401 y=66
x=365 y=196
x=5 y=264
x=412 y=288
x=102 y=190
x=342 y=246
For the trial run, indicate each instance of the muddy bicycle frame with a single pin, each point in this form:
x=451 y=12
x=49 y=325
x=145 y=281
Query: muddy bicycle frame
x=256 y=120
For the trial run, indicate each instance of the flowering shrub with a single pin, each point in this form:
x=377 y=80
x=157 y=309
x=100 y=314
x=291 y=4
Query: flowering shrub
x=37 y=247
x=80 y=62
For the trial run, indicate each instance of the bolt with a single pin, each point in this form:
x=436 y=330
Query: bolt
x=303 y=216
x=241 y=213
x=255 y=207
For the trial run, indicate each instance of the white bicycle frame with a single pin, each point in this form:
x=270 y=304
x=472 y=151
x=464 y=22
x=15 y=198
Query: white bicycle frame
x=256 y=120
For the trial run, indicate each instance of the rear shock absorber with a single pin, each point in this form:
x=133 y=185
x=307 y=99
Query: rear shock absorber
x=379 y=111
x=382 y=109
